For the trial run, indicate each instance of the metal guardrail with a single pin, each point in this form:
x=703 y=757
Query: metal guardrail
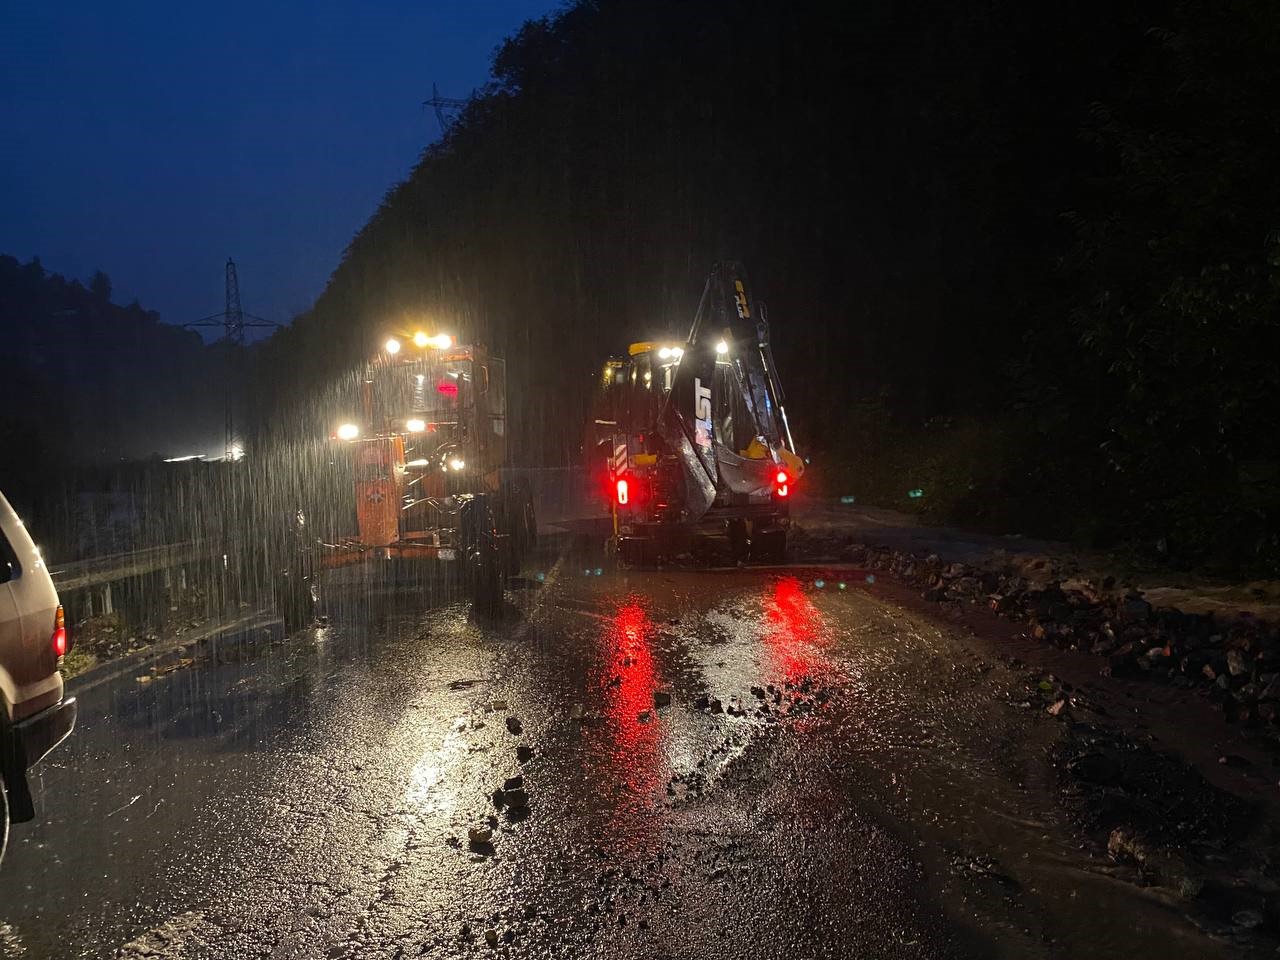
x=97 y=571
x=560 y=494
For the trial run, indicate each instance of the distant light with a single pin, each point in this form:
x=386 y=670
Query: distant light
x=442 y=341
x=599 y=571
x=415 y=425
x=871 y=578
x=819 y=584
x=348 y=431
x=420 y=339
x=848 y=498
x=842 y=585
x=392 y=346
x=456 y=464
x=915 y=494
x=542 y=577
x=722 y=348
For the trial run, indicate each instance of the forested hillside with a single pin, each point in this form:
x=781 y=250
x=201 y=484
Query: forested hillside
x=86 y=381
x=1020 y=256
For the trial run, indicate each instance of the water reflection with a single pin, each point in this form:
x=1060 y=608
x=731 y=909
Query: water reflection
x=629 y=680
x=795 y=633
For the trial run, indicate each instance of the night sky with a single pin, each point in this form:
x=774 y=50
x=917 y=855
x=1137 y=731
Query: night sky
x=153 y=140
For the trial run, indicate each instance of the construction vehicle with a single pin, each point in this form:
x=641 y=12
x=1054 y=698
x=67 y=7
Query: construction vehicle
x=426 y=457
x=693 y=434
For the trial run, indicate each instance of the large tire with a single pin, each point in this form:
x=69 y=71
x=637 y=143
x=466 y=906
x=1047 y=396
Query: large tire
x=768 y=543
x=528 y=527
x=486 y=580
x=516 y=519
x=484 y=561
x=295 y=600
x=739 y=543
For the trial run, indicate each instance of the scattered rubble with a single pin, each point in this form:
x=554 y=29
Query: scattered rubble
x=515 y=726
x=1235 y=660
x=516 y=799
x=1151 y=811
x=661 y=699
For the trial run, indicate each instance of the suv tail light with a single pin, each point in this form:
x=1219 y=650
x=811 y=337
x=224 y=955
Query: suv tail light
x=59 y=639
x=782 y=483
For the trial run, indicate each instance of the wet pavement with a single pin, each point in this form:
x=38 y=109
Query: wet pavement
x=834 y=775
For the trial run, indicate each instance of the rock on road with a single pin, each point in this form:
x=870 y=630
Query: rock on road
x=711 y=764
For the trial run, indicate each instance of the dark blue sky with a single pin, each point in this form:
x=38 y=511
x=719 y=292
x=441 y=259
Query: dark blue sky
x=153 y=140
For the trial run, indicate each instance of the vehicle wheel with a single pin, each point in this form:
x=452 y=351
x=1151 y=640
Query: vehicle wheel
x=769 y=544
x=638 y=551
x=528 y=527
x=296 y=600
x=486 y=580
x=739 y=545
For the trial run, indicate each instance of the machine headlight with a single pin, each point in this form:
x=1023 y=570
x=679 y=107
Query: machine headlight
x=348 y=431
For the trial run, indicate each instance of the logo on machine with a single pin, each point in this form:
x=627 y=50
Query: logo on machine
x=702 y=413
x=740 y=298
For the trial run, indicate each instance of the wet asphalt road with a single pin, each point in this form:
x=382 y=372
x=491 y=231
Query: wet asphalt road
x=311 y=796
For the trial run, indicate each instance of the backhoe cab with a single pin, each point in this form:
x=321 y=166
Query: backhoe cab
x=694 y=433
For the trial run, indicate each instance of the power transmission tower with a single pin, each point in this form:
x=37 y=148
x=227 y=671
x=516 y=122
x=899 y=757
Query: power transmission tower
x=233 y=321
x=441 y=104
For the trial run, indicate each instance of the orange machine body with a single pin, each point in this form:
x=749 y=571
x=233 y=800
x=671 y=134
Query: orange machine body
x=379 y=488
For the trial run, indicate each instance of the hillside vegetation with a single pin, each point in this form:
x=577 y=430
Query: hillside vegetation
x=1020 y=257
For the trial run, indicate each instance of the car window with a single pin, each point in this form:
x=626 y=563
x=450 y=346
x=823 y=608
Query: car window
x=10 y=569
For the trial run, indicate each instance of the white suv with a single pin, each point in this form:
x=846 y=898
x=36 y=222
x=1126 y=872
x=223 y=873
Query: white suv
x=34 y=717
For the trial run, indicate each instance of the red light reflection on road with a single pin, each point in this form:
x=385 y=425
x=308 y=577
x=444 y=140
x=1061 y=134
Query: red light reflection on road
x=630 y=679
x=794 y=630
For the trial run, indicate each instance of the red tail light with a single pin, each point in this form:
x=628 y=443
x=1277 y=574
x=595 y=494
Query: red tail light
x=782 y=478
x=782 y=483
x=624 y=493
x=59 y=639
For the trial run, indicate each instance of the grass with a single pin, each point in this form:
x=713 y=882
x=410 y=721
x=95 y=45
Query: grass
x=77 y=662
